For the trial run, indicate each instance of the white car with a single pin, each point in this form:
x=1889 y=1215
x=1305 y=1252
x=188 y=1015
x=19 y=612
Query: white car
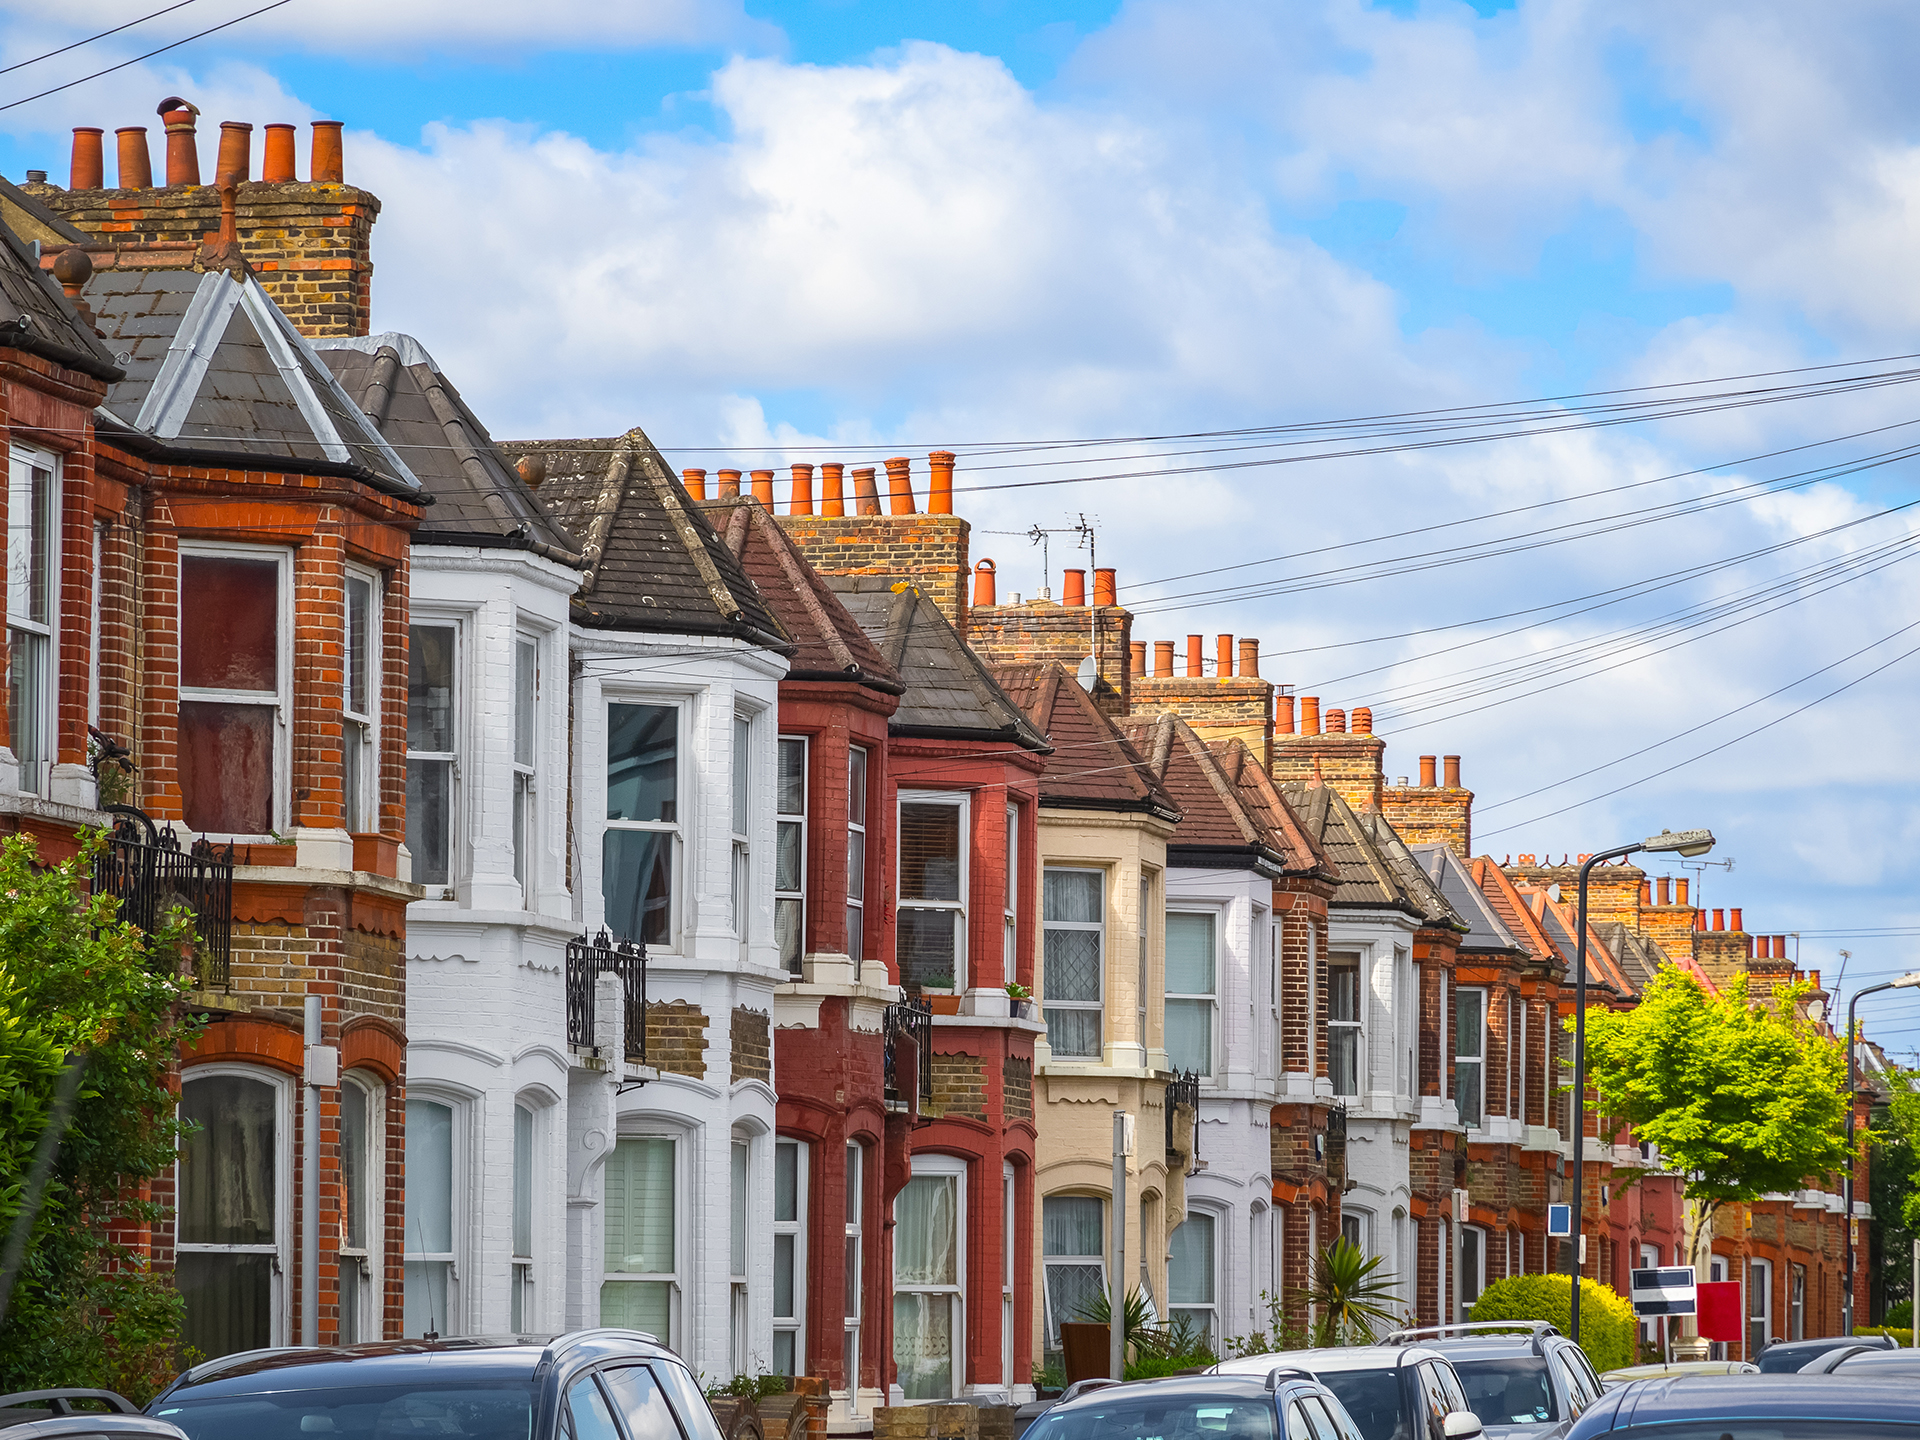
x=1393 y=1392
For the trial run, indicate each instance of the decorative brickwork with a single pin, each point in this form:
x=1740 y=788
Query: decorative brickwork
x=677 y=1038
x=960 y=1086
x=1613 y=891
x=752 y=1046
x=929 y=549
x=1220 y=708
x=1041 y=631
x=1016 y=1087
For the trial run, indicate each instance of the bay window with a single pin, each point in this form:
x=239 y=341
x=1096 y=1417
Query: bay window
x=641 y=1279
x=1073 y=1258
x=360 y=704
x=1190 y=995
x=235 y=678
x=929 y=1267
x=1073 y=922
x=33 y=589
x=432 y=754
x=231 y=1255
x=526 y=712
x=1470 y=1054
x=640 y=841
x=790 y=853
x=1344 y=1023
x=932 y=937
x=790 y=1159
x=1192 y=1279
x=856 y=855
x=434 y=1199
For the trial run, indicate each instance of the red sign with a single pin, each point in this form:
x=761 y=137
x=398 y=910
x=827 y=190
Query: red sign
x=1719 y=1316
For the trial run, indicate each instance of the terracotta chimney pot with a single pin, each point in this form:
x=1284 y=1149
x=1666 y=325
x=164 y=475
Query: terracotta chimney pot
x=1680 y=887
x=1699 y=919
x=1336 y=720
x=1223 y=655
x=1646 y=892
x=900 y=485
x=532 y=470
x=866 y=494
x=1309 y=714
x=136 y=164
x=763 y=488
x=1735 y=920
x=234 y=163
x=1719 y=919
x=276 y=158
x=1283 y=714
x=696 y=482
x=1664 y=888
x=1104 y=589
x=1073 y=587
x=1137 y=657
x=1163 y=659
x=729 y=485
x=1250 y=658
x=329 y=165
x=800 y=499
x=983 y=584
x=89 y=166
x=1779 y=947
x=832 y=502
x=183 y=157
x=1363 y=720
x=940 y=485
x=1196 y=666
x=1427 y=763
x=1450 y=771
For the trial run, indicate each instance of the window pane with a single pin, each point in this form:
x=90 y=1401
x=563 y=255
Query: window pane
x=353 y=755
x=1190 y=1035
x=1466 y=1084
x=737 y=1226
x=228 y=1161
x=229 y=1302
x=522 y=1180
x=855 y=1172
x=1073 y=896
x=1073 y=965
x=856 y=864
x=424 y=1305
x=923 y=1345
x=229 y=623
x=1190 y=1261
x=1071 y=1225
x=1343 y=991
x=786 y=856
x=1074 y=1032
x=429 y=1177
x=636 y=882
x=640 y=1206
x=642 y=751
x=643 y=1305
x=857 y=785
x=526 y=696
x=927 y=948
x=791 y=797
x=926 y=1219
x=1189 y=954
x=742 y=780
x=353 y=1162
x=430 y=819
x=592 y=1420
x=783 y=1288
x=1070 y=1289
x=786 y=933
x=1468 y=1029
x=1343 y=1059
x=929 y=852
x=783 y=1352
x=430 y=688
x=1013 y=858
x=850 y=1274
x=786 y=1181
x=27 y=690
x=641 y=1404
x=352 y=1290
x=29 y=532
x=226 y=767
x=359 y=643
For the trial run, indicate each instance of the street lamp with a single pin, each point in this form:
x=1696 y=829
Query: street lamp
x=1905 y=982
x=1688 y=843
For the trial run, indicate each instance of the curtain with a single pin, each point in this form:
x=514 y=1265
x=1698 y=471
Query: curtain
x=926 y=1216
x=229 y=1301
x=1190 y=1262
x=1072 y=1225
x=923 y=1345
x=1073 y=896
x=1190 y=1035
x=643 y=1305
x=227 y=1165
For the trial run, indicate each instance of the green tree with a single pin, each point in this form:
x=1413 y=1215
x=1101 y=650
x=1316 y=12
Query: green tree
x=1351 y=1296
x=1743 y=1098
x=84 y=1309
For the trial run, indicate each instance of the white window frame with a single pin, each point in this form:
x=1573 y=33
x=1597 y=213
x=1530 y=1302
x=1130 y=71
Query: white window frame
x=523 y=1266
x=1796 y=1301
x=1010 y=904
x=524 y=821
x=796 y=1231
x=853 y=1278
x=1099 y=927
x=1517 y=1056
x=740 y=826
x=1260 y=975
x=961 y=802
x=956 y=1293
x=36 y=772
x=1047 y=1262
x=1009 y=1231
x=1476 y=995
x=1211 y=998
x=281 y=698
x=674 y=830
x=283 y=1163
x=673 y=1279
x=1406 y=988
x=360 y=729
x=455 y=1321
x=1764 y=1290
x=94 y=627
x=368 y=1257
x=1357 y=1026
x=1478 y=1268
x=793 y=897
x=860 y=759
x=1209 y=1308
x=456 y=846
x=739 y=1248
x=1276 y=939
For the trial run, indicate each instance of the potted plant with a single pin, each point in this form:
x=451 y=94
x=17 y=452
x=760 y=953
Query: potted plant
x=937 y=991
x=1019 y=1001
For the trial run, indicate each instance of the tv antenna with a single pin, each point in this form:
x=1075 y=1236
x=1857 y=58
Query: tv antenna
x=1700 y=868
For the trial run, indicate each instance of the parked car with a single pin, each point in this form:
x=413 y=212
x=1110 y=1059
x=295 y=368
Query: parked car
x=1790 y=1355
x=1524 y=1379
x=509 y=1388
x=1630 y=1373
x=1777 y=1407
x=1863 y=1360
x=1283 y=1403
x=77 y=1415
x=1393 y=1392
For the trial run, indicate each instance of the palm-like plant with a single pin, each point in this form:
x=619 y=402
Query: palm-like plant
x=1350 y=1294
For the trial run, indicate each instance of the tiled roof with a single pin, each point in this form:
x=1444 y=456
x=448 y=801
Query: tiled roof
x=950 y=694
x=1094 y=767
x=1514 y=912
x=1369 y=879
x=478 y=499
x=213 y=368
x=35 y=316
x=828 y=642
x=1562 y=925
x=1638 y=957
x=1418 y=885
x=1262 y=798
x=1486 y=933
x=653 y=562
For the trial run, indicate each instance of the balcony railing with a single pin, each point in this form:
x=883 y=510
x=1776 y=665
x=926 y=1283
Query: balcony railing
x=1183 y=1092
x=148 y=872
x=912 y=1019
x=587 y=961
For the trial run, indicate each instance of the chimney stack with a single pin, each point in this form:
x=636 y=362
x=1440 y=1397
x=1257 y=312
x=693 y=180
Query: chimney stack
x=276 y=160
x=866 y=494
x=1105 y=592
x=1663 y=889
x=729 y=485
x=1363 y=720
x=1163 y=659
x=136 y=164
x=1336 y=720
x=1196 y=666
x=183 y=156
x=1137 y=657
x=983 y=584
x=832 y=502
x=1250 y=658
x=1283 y=714
x=940 y=486
x=1427 y=777
x=1073 y=588
x=1309 y=714
x=88 y=171
x=696 y=483
x=800 y=501
x=1735 y=920
x=900 y=485
x=329 y=163
x=1223 y=655
x=1450 y=769
x=763 y=488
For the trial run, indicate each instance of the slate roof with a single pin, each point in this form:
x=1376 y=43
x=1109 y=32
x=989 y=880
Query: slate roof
x=1094 y=766
x=828 y=643
x=215 y=372
x=950 y=694
x=1638 y=957
x=1507 y=902
x=1370 y=878
x=1486 y=932
x=653 y=562
x=1262 y=797
x=478 y=498
x=1562 y=925
x=52 y=328
x=1420 y=887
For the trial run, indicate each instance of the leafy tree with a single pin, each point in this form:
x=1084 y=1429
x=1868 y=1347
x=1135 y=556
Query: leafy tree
x=85 y=1309
x=1743 y=1098
x=1609 y=1331
x=1350 y=1295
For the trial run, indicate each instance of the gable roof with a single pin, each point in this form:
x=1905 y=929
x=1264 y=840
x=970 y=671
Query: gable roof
x=1415 y=882
x=214 y=368
x=1486 y=932
x=1262 y=797
x=1638 y=957
x=1094 y=766
x=478 y=499
x=1562 y=925
x=828 y=643
x=1369 y=878
x=950 y=694
x=1514 y=912
x=653 y=563
x=36 y=316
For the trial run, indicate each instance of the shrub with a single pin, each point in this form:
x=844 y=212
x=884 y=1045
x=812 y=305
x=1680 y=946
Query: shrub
x=1900 y=1316
x=1901 y=1335
x=1608 y=1327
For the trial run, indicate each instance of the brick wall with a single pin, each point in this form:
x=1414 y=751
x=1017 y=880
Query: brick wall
x=1613 y=891
x=1428 y=815
x=1724 y=953
x=752 y=1046
x=1670 y=927
x=960 y=1086
x=1016 y=1087
x=930 y=549
x=1349 y=764
x=1219 y=707
x=677 y=1038
x=1040 y=630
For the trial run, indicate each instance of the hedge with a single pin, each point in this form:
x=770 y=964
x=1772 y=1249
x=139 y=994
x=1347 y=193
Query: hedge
x=1609 y=1332
x=1902 y=1336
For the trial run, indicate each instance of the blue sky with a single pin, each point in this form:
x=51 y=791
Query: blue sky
x=752 y=226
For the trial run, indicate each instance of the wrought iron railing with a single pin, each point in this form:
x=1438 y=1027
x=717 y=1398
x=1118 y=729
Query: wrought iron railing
x=587 y=961
x=912 y=1018
x=1183 y=1091
x=149 y=873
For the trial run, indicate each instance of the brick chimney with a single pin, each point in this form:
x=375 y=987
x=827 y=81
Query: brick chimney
x=1221 y=706
x=1430 y=812
x=1614 y=892
x=1040 y=630
x=1349 y=763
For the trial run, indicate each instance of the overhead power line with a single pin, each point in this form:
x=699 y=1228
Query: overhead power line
x=155 y=15
x=201 y=35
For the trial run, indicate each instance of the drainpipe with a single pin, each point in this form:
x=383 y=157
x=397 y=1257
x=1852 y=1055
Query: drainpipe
x=322 y=1069
x=1123 y=1130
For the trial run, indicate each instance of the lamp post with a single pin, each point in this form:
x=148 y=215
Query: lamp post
x=1688 y=843
x=1905 y=982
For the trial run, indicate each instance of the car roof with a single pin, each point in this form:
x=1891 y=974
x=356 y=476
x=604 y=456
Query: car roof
x=1243 y=1386
x=1853 y=1398
x=1494 y=1347
x=1330 y=1361
x=1880 y=1360
x=1824 y=1343
x=95 y=1423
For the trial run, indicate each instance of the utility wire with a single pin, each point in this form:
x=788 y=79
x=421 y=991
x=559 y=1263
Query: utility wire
x=201 y=35
x=22 y=64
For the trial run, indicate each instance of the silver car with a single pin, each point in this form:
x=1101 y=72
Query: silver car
x=1393 y=1392
x=1524 y=1379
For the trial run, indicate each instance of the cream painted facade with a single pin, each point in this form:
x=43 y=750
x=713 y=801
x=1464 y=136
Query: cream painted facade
x=1075 y=1097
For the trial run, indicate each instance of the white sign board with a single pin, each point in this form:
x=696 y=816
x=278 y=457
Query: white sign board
x=1669 y=1291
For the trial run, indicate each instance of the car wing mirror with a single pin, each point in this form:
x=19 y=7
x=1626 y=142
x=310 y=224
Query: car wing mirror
x=1462 y=1425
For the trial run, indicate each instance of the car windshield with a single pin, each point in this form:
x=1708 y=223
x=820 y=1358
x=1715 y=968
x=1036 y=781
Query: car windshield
x=472 y=1410
x=1509 y=1391
x=1372 y=1398
x=1173 y=1417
